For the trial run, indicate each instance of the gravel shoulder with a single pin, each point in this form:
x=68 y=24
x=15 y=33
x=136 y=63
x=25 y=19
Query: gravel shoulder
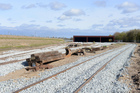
x=132 y=75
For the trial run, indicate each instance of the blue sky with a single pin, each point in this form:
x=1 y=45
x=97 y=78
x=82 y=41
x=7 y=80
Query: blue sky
x=65 y=18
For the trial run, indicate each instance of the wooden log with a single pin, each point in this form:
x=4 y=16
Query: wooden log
x=74 y=45
x=45 y=53
x=53 y=58
x=29 y=61
x=40 y=58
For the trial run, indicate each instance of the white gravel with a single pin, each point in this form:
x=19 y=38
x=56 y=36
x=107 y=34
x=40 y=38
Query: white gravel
x=106 y=80
x=68 y=81
x=51 y=48
x=5 y=69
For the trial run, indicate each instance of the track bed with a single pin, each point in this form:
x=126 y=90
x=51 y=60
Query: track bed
x=68 y=78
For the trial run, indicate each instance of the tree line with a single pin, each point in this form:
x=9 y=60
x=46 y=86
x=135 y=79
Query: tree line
x=128 y=36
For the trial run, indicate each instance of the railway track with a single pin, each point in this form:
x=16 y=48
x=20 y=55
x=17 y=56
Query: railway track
x=8 y=66
x=93 y=75
x=10 y=62
x=19 y=55
x=4 y=56
x=15 y=61
x=9 y=55
x=78 y=89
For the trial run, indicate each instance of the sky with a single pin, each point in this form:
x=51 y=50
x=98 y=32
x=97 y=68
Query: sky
x=65 y=18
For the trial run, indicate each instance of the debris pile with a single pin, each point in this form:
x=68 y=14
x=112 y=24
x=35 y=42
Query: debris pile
x=37 y=61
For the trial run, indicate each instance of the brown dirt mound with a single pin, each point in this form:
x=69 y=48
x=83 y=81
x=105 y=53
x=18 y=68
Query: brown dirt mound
x=136 y=80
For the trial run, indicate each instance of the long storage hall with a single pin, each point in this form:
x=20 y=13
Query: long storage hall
x=93 y=38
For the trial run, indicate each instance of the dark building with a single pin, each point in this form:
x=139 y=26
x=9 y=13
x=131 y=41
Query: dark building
x=93 y=38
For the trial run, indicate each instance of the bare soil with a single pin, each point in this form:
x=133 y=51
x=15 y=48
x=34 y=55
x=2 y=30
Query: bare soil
x=133 y=78
x=29 y=74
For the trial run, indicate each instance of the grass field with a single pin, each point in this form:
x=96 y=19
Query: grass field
x=13 y=42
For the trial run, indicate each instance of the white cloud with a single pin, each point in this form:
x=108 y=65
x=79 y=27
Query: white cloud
x=97 y=25
x=34 y=6
x=77 y=19
x=57 y=6
x=61 y=25
x=32 y=21
x=111 y=15
x=29 y=6
x=128 y=7
x=70 y=13
x=49 y=21
x=126 y=22
x=9 y=19
x=28 y=26
x=100 y=3
x=42 y=5
x=64 y=17
x=74 y=12
x=5 y=6
x=124 y=26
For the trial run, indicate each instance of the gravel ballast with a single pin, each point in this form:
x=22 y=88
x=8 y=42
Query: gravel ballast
x=68 y=81
x=5 y=69
x=106 y=80
x=22 y=55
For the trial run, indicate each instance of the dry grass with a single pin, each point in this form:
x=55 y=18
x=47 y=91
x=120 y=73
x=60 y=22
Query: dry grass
x=13 y=42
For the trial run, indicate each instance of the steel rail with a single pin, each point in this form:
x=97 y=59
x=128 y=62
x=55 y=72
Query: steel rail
x=14 y=61
x=20 y=54
x=58 y=73
x=90 y=78
x=9 y=62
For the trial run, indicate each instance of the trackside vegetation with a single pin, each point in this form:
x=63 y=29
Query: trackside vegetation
x=128 y=36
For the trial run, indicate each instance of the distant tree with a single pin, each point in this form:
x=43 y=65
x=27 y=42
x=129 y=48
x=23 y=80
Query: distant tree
x=117 y=35
x=71 y=38
x=123 y=36
x=138 y=36
x=135 y=34
x=129 y=36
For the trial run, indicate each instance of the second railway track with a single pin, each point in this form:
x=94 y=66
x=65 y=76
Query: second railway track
x=15 y=63
x=20 y=56
x=83 y=65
